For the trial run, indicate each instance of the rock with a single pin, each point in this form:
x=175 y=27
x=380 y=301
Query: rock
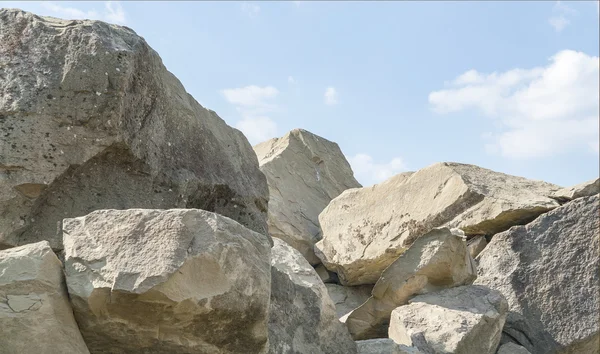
x=167 y=281
x=548 y=271
x=512 y=348
x=302 y=316
x=325 y=275
x=365 y=230
x=348 y=298
x=383 y=346
x=462 y=320
x=91 y=119
x=584 y=189
x=476 y=245
x=437 y=260
x=304 y=172
x=35 y=314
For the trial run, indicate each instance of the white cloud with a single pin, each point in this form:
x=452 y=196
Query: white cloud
x=542 y=111
x=113 y=12
x=369 y=172
x=558 y=22
x=254 y=103
x=251 y=10
x=561 y=20
x=331 y=96
x=291 y=80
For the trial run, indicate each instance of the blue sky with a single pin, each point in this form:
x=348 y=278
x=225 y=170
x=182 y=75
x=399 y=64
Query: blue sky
x=511 y=86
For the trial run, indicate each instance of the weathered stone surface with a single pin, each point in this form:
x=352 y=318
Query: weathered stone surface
x=365 y=230
x=35 y=314
x=584 y=189
x=348 y=298
x=383 y=346
x=302 y=317
x=512 y=348
x=462 y=320
x=476 y=245
x=437 y=260
x=548 y=271
x=167 y=281
x=91 y=119
x=304 y=172
x=325 y=275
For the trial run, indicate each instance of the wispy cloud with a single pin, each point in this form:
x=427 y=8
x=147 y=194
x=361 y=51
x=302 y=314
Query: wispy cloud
x=112 y=12
x=369 y=172
x=250 y=9
x=331 y=96
x=561 y=18
x=542 y=111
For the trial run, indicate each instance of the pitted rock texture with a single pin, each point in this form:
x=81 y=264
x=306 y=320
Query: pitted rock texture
x=167 y=281
x=91 y=119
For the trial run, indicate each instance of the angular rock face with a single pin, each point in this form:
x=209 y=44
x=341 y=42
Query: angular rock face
x=584 y=189
x=383 y=346
x=365 y=230
x=348 y=298
x=463 y=320
x=91 y=119
x=512 y=348
x=167 y=281
x=35 y=314
x=302 y=317
x=304 y=172
x=548 y=271
x=476 y=245
x=435 y=261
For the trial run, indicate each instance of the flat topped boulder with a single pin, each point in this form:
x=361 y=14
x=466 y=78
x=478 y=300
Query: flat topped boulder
x=304 y=172
x=366 y=229
x=168 y=281
x=91 y=119
x=580 y=190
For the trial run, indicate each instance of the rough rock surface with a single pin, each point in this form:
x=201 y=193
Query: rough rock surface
x=462 y=320
x=167 y=281
x=91 y=119
x=435 y=261
x=302 y=317
x=348 y=298
x=383 y=346
x=548 y=271
x=476 y=245
x=304 y=172
x=512 y=348
x=365 y=230
x=584 y=189
x=35 y=314
x=325 y=275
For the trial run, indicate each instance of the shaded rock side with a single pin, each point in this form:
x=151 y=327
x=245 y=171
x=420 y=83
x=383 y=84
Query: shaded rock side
x=91 y=119
x=435 y=261
x=35 y=314
x=167 y=281
x=365 y=230
x=384 y=346
x=304 y=172
x=548 y=271
x=348 y=298
x=302 y=316
x=462 y=320
x=512 y=348
x=476 y=245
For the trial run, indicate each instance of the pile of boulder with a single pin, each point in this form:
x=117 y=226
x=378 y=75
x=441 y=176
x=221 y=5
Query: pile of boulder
x=134 y=220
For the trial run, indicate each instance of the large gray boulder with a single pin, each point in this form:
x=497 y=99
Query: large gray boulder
x=91 y=119
x=168 y=281
x=584 y=189
x=384 y=346
x=437 y=260
x=302 y=316
x=548 y=271
x=462 y=320
x=512 y=348
x=365 y=230
x=35 y=314
x=348 y=298
x=304 y=172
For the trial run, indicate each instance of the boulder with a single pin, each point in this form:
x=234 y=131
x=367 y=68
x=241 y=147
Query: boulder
x=302 y=316
x=91 y=119
x=365 y=230
x=325 y=275
x=383 y=346
x=348 y=298
x=167 y=281
x=548 y=271
x=304 y=172
x=584 y=189
x=512 y=348
x=437 y=260
x=476 y=245
x=35 y=314
x=462 y=320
